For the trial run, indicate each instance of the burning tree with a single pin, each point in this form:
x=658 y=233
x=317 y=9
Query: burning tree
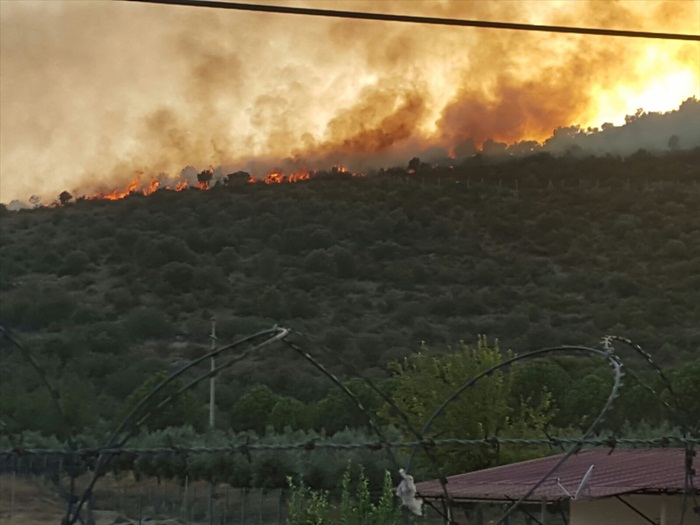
x=204 y=178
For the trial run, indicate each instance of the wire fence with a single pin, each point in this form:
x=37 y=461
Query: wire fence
x=74 y=472
x=125 y=500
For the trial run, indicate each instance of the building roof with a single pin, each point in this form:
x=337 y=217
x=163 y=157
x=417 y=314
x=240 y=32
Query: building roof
x=640 y=471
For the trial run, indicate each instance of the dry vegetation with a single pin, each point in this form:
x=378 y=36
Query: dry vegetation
x=35 y=501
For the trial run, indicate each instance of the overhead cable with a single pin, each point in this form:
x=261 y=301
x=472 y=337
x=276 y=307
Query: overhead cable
x=386 y=17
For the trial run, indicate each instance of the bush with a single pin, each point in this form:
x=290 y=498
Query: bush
x=75 y=263
x=307 y=507
x=178 y=276
x=146 y=323
x=36 y=309
x=675 y=249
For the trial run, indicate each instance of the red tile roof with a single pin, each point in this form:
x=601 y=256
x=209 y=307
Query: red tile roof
x=619 y=472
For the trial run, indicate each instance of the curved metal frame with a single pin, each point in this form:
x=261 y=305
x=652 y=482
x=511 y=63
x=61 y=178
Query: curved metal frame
x=150 y=404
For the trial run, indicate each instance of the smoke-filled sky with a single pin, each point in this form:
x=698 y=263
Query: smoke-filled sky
x=92 y=92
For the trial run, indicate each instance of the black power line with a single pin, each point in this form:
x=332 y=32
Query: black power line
x=357 y=15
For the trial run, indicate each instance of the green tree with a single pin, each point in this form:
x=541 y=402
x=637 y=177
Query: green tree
x=177 y=276
x=344 y=262
x=539 y=382
x=155 y=253
x=423 y=382
x=288 y=412
x=33 y=309
x=267 y=264
x=636 y=406
x=585 y=398
x=338 y=411
x=271 y=303
x=685 y=381
x=252 y=410
x=75 y=263
x=184 y=409
x=147 y=323
x=78 y=401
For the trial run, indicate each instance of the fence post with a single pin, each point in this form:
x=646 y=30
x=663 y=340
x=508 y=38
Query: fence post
x=161 y=503
x=194 y=502
x=139 y=505
x=279 y=507
x=260 y=514
x=225 y=512
x=211 y=503
x=90 y=508
x=183 y=507
x=12 y=496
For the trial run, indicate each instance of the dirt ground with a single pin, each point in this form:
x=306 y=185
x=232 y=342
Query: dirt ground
x=35 y=502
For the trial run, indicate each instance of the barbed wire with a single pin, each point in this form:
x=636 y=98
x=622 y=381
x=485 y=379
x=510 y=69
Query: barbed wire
x=372 y=422
x=675 y=410
x=265 y=337
x=97 y=459
x=313 y=444
x=408 y=426
x=605 y=354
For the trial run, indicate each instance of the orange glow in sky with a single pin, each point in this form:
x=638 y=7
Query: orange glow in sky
x=93 y=92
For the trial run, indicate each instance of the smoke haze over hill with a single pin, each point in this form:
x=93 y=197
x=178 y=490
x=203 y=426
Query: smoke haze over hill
x=93 y=92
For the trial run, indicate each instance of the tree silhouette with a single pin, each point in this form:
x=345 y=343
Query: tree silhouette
x=65 y=197
x=204 y=178
x=674 y=143
x=237 y=178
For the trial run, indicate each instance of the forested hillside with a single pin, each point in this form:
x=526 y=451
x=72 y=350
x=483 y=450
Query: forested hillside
x=533 y=252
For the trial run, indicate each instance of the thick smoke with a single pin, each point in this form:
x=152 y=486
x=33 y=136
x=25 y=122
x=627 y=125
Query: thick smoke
x=93 y=92
x=654 y=132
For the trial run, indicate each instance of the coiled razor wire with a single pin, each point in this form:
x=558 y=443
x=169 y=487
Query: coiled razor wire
x=612 y=360
x=675 y=409
x=100 y=457
x=374 y=446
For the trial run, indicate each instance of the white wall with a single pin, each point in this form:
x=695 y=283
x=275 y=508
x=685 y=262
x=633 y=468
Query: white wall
x=610 y=511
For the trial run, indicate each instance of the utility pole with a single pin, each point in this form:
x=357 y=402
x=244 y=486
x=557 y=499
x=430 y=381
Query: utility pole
x=212 y=402
x=212 y=394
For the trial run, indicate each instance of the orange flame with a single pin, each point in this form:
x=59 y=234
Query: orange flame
x=278 y=177
x=152 y=187
x=116 y=194
x=296 y=177
x=273 y=177
x=134 y=187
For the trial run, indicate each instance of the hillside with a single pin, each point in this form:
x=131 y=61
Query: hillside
x=535 y=252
